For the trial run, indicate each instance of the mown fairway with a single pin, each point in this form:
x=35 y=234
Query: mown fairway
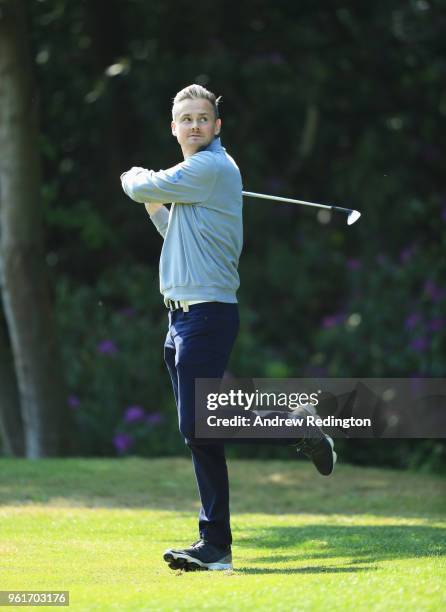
x=362 y=539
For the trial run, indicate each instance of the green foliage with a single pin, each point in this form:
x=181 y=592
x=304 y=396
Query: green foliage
x=113 y=336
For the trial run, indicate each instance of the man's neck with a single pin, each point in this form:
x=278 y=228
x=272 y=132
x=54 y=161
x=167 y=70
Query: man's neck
x=189 y=153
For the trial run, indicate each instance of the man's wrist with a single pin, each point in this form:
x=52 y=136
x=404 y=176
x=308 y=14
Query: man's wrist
x=152 y=207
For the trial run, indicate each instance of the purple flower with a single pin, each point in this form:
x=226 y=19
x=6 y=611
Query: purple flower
x=122 y=442
x=73 y=401
x=134 y=414
x=412 y=320
x=276 y=57
x=154 y=418
x=332 y=320
x=316 y=372
x=107 y=347
x=437 y=324
x=429 y=152
x=433 y=291
x=128 y=312
x=216 y=43
x=406 y=254
x=416 y=384
x=353 y=264
x=274 y=183
x=419 y=344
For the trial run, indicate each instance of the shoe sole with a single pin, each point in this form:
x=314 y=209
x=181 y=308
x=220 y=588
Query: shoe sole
x=313 y=412
x=333 y=455
x=188 y=564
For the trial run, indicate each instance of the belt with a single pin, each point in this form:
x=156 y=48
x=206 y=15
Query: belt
x=184 y=304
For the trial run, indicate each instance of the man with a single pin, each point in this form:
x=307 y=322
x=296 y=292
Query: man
x=203 y=234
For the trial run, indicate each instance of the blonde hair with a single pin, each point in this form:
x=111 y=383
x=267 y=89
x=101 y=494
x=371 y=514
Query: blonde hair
x=193 y=92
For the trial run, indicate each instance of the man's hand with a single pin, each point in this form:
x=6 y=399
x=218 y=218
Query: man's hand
x=152 y=207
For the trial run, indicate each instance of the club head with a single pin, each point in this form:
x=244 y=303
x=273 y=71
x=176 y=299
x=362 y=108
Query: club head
x=353 y=216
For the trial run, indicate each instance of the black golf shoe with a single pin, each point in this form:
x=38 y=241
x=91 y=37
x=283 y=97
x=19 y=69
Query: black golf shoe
x=199 y=556
x=320 y=451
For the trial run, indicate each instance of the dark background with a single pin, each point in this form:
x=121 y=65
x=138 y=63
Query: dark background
x=333 y=102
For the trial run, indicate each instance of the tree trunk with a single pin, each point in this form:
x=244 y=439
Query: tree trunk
x=24 y=281
x=11 y=427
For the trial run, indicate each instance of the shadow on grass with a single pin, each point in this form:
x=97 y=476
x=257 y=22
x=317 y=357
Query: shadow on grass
x=167 y=484
x=273 y=487
x=360 y=546
x=317 y=569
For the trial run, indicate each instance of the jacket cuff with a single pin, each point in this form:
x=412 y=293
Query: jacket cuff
x=160 y=219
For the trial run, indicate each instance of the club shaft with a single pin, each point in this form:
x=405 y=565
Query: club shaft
x=289 y=200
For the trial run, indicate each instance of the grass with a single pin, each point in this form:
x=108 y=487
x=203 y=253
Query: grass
x=364 y=539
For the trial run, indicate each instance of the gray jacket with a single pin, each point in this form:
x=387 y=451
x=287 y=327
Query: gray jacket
x=203 y=232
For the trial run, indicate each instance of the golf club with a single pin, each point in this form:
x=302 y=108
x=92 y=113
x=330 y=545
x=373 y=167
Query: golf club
x=353 y=215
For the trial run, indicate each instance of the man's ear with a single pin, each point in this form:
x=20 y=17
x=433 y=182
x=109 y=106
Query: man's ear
x=217 y=127
x=173 y=127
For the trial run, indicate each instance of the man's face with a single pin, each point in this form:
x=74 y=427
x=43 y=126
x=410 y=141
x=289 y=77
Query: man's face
x=195 y=125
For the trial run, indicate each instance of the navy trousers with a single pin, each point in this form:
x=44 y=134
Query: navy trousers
x=198 y=345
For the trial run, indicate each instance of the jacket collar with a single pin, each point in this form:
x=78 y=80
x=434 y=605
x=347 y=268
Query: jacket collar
x=215 y=145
